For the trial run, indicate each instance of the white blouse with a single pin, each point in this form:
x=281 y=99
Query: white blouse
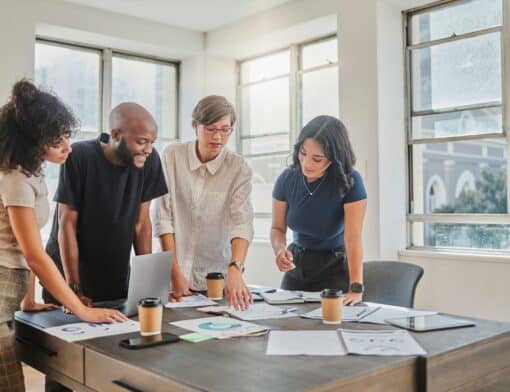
x=207 y=205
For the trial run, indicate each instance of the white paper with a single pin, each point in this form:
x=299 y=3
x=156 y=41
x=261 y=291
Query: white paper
x=349 y=313
x=220 y=327
x=191 y=301
x=82 y=331
x=304 y=343
x=387 y=311
x=282 y=297
x=382 y=343
x=262 y=311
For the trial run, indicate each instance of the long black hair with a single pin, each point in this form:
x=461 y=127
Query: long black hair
x=332 y=136
x=31 y=121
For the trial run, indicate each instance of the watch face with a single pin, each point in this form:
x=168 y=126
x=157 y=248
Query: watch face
x=356 y=287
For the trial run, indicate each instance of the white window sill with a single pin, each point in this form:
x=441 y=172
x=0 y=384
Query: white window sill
x=442 y=254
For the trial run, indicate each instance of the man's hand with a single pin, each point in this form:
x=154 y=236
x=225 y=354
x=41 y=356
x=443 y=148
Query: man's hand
x=180 y=288
x=238 y=295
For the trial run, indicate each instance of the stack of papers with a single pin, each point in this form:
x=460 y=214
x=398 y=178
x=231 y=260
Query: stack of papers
x=81 y=331
x=221 y=327
x=383 y=343
x=262 y=311
x=291 y=297
x=385 y=312
x=191 y=302
x=349 y=313
x=304 y=343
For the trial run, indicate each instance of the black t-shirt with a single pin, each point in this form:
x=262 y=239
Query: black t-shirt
x=107 y=198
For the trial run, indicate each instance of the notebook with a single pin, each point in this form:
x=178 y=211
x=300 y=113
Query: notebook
x=291 y=297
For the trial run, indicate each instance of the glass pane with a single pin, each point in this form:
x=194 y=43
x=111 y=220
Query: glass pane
x=266 y=170
x=320 y=53
x=265 y=67
x=319 y=93
x=266 y=144
x=75 y=76
x=265 y=108
x=457 y=73
x=152 y=85
x=459 y=18
x=460 y=177
x=466 y=122
x=462 y=236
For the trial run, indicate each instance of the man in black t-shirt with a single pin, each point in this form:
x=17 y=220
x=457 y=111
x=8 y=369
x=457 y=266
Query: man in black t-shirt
x=103 y=195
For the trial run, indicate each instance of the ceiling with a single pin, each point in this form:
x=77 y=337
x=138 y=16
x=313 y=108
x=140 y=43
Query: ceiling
x=199 y=15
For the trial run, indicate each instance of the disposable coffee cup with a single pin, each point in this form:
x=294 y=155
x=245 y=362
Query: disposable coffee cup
x=150 y=315
x=215 y=283
x=332 y=305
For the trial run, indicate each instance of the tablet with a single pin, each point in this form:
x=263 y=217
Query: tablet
x=431 y=322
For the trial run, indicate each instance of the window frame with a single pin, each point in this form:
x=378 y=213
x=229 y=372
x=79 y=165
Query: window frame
x=295 y=98
x=105 y=79
x=455 y=218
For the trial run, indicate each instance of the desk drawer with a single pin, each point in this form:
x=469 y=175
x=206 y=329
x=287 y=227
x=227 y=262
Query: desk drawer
x=103 y=373
x=48 y=353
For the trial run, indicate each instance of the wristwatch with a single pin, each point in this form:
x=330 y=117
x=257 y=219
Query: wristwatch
x=75 y=287
x=239 y=265
x=356 y=287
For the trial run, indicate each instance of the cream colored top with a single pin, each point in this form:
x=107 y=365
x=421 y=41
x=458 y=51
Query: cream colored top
x=16 y=189
x=207 y=205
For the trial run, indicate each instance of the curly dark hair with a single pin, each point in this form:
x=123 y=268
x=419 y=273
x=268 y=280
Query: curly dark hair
x=31 y=121
x=332 y=136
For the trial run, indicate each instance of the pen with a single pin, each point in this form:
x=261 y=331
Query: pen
x=287 y=310
x=369 y=313
x=360 y=313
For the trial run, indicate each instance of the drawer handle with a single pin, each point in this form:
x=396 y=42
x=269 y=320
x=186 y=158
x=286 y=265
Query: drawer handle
x=47 y=351
x=126 y=386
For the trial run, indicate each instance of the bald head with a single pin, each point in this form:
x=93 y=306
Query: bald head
x=129 y=116
x=133 y=132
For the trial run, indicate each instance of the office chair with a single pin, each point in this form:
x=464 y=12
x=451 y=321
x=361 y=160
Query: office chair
x=391 y=282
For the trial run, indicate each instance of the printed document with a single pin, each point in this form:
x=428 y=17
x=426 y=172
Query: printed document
x=383 y=343
x=81 y=331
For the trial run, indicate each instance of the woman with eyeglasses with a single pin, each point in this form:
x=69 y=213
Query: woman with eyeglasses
x=34 y=127
x=206 y=219
x=322 y=199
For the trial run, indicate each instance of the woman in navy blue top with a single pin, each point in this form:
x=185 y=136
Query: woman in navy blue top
x=322 y=199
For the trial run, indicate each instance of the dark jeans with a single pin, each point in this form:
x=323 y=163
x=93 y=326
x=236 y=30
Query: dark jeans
x=317 y=270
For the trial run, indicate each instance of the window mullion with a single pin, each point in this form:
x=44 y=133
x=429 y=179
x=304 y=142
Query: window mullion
x=107 y=88
x=294 y=94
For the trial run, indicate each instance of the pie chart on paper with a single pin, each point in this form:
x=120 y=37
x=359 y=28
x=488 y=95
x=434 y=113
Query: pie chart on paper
x=219 y=325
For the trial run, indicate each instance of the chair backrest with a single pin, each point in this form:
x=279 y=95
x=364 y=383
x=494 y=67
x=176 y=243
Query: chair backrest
x=391 y=282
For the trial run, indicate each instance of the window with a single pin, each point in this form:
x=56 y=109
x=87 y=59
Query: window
x=93 y=80
x=277 y=94
x=457 y=136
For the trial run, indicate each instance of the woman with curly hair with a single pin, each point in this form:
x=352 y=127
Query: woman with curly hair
x=323 y=200
x=35 y=126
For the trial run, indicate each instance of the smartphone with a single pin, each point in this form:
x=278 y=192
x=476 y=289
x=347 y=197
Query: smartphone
x=149 y=341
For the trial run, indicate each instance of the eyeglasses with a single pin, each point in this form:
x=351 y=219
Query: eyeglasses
x=224 y=131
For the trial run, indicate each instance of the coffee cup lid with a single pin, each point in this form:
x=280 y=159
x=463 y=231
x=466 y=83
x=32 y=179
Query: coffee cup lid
x=214 y=275
x=331 y=293
x=150 y=302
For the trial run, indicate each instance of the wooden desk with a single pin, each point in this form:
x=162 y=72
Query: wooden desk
x=240 y=364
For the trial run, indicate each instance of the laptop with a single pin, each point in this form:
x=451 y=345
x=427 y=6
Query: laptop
x=149 y=277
